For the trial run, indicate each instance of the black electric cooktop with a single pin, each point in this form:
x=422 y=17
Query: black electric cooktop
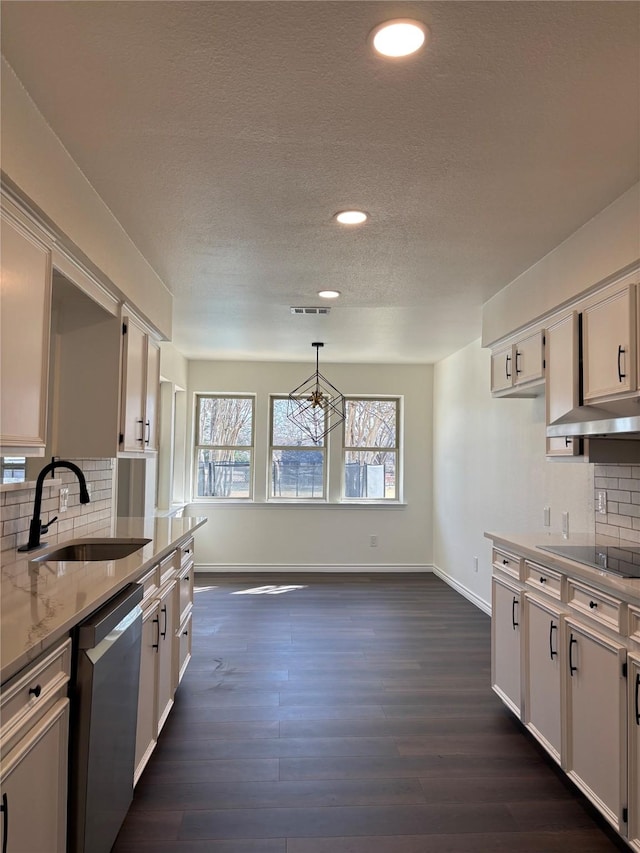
x=621 y=560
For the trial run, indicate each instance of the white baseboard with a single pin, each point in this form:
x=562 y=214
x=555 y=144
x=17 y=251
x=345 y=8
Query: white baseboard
x=263 y=568
x=463 y=590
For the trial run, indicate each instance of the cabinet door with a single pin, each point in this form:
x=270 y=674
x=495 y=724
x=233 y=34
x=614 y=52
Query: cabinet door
x=502 y=369
x=146 y=734
x=633 y=662
x=183 y=646
x=609 y=352
x=33 y=781
x=152 y=395
x=166 y=675
x=596 y=718
x=25 y=318
x=505 y=643
x=528 y=359
x=544 y=659
x=134 y=360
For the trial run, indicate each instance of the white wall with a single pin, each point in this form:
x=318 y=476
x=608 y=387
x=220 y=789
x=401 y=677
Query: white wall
x=490 y=471
x=605 y=245
x=267 y=536
x=39 y=166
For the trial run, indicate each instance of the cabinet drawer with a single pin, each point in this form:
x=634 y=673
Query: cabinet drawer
x=508 y=563
x=150 y=584
x=28 y=694
x=186 y=551
x=634 y=623
x=168 y=567
x=595 y=604
x=183 y=642
x=185 y=587
x=543 y=580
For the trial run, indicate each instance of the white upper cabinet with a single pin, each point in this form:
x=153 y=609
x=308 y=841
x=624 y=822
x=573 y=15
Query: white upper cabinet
x=609 y=346
x=25 y=315
x=563 y=380
x=140 y=388
x=518 y=369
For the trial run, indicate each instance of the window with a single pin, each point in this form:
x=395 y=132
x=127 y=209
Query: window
x=224 y=447
x=298 y=465
x=371 y=449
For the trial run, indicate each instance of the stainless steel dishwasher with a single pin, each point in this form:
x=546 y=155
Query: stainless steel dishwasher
x=103 y=723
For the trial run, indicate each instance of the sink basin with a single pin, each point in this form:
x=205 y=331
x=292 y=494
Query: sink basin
x=82 y=550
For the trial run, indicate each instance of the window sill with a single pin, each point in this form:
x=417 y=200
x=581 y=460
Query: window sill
x=293 y=504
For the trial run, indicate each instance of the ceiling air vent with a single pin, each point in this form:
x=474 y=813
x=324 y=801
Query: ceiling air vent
x=310 y=310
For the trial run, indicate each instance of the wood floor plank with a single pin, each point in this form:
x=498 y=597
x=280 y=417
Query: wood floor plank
x=353 y=715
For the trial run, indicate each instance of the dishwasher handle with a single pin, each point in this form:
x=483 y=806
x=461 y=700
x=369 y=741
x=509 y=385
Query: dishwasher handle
x=94 y=629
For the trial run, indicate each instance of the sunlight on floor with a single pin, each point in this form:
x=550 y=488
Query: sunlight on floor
x=267 y=590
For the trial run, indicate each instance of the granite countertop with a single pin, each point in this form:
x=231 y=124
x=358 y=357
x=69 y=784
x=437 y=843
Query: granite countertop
x=529 y=546
x=41 y=602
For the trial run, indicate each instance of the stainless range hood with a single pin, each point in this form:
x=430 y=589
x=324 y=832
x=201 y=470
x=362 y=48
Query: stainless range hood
x=620 y=419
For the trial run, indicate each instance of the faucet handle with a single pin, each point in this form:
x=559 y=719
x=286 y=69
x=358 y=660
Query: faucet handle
x=45 y=527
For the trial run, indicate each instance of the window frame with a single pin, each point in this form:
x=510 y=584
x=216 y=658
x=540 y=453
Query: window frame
x=324 y=448
x=250 y=448
x=398 y=449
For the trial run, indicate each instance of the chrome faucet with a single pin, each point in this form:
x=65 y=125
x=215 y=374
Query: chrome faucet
x=36 y=528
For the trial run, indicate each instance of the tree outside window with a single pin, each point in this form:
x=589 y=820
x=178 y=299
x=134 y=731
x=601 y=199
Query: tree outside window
x=224 y=447
x=371 y=449
x=298 y=465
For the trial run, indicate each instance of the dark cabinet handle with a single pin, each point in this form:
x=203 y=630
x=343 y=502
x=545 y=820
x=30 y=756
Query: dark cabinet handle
x=593 y=604
x=37 y=690
x=552 y=652
x=4 y=808
x=156 y=622
x=164 y=633
x=148 y=438
x=637 y=699
x=185 y=632
x=506 y=367
x=141 y=439
x=505 y=562
x=621 y=375
x=518 y=370
x=567 y=441
x=572 y=668
x=513 y=613
x=543 y=580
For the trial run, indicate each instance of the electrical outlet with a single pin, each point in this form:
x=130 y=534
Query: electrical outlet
x=565 y=525
x=475 y=564
x=547 y=516
x=601 y=496
x=64 y=499
x=373 y=541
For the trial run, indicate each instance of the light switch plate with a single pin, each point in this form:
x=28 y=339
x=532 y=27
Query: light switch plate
x=565 y=525
x=547 y=516
x=601 y=503
x=64 y=499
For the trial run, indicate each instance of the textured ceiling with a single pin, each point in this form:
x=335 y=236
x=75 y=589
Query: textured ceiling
x=224 y=135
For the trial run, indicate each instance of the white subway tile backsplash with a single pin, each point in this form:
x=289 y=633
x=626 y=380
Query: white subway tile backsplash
x=622 y=485
x=17 y=505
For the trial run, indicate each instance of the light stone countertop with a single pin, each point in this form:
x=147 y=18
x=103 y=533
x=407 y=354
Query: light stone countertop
x=528 y=546
x=42 y=602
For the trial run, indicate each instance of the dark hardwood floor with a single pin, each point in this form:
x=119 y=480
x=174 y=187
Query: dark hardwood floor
x=353 y=715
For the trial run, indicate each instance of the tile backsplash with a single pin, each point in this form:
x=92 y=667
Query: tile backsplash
x=622 y=485
x=16 y=504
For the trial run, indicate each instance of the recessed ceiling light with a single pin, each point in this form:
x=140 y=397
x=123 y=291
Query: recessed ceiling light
x=329 y=294
x=351 y=217
x=399 y=38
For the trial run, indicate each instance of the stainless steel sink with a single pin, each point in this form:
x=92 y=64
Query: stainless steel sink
x=83 y=550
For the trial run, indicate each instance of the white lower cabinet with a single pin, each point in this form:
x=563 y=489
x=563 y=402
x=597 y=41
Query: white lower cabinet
x=146 y=731
x=34 y=736
x=166 y=681
x=166 y=645
x=505 y=643
x=633 y=711
x=596 y=718
x=544 y=666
